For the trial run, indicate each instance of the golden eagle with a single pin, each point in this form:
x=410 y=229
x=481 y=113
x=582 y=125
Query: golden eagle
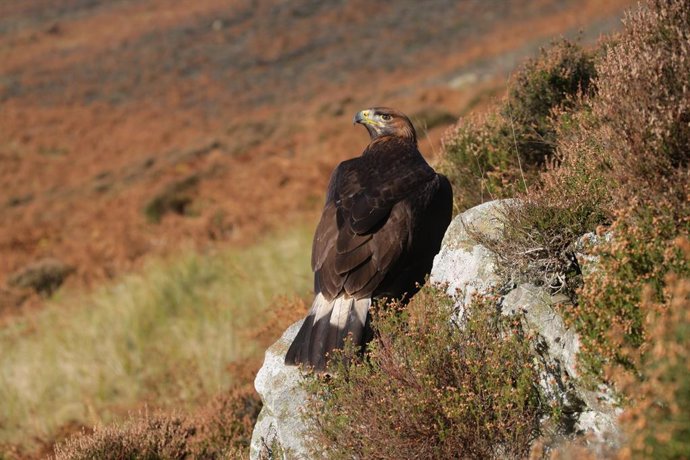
x=385 y=215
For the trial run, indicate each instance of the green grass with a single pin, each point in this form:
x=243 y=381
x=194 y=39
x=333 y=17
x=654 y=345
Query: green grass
x=166 y=335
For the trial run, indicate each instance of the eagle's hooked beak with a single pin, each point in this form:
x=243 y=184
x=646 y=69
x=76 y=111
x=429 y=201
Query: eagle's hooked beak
x=365 y=117
x=359 y=117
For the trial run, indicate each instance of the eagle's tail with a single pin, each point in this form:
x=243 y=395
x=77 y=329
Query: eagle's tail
x=325 y=329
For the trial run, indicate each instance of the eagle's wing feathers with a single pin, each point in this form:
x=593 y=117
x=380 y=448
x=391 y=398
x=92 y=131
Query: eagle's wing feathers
x=325 y=237
x=389 y=243
x=348 y=239
x=367 y=213
x=365 y=227
x=385 y=248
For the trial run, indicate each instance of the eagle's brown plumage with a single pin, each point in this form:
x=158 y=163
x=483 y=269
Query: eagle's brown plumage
x=385 y=215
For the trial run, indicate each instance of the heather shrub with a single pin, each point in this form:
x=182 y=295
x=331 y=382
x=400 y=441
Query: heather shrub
x=658 y=424
x=149 y=437
x=539 y=242
x=641 y=117
x=611 y=157
x=220 y=430
x=501 y=153
x=644 y=93
x=549 y=82
x=571 y=197
x=621 y=164
x=479 y=162
x=616 y=161
x=431 y=388
x=643 y=252
x=225 y=425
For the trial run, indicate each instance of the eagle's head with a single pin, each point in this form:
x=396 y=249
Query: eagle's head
x=383 y=121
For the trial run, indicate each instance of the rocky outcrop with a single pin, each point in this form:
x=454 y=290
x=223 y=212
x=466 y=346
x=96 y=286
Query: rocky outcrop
x=278 y=430
x=585 y=412
x=463 y=265
x=466 y=267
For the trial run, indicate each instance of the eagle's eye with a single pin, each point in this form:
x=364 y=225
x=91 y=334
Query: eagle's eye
x=386 y=117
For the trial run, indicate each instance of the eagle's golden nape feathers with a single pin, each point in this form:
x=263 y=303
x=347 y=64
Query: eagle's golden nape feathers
x=385 y=215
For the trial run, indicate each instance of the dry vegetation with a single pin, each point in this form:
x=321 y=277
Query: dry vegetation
x=186 y=327
x=129 y=128
x=622 y=158
x=431 y=388
x=179 y=332
x=590 y=142
x=496 y=154
x=223 y=429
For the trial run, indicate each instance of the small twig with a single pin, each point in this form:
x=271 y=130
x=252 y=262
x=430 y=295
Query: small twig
x=530 y=251
x=428 y=139
x=512 y=129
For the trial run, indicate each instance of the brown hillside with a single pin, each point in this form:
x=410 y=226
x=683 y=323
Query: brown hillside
x=130 y=128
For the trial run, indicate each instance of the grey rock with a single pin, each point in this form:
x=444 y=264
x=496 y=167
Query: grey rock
x=585 y=412
x=536 y=305
x=467 y=267
x=464 y=265
x=279 y=431
x=584 y=249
